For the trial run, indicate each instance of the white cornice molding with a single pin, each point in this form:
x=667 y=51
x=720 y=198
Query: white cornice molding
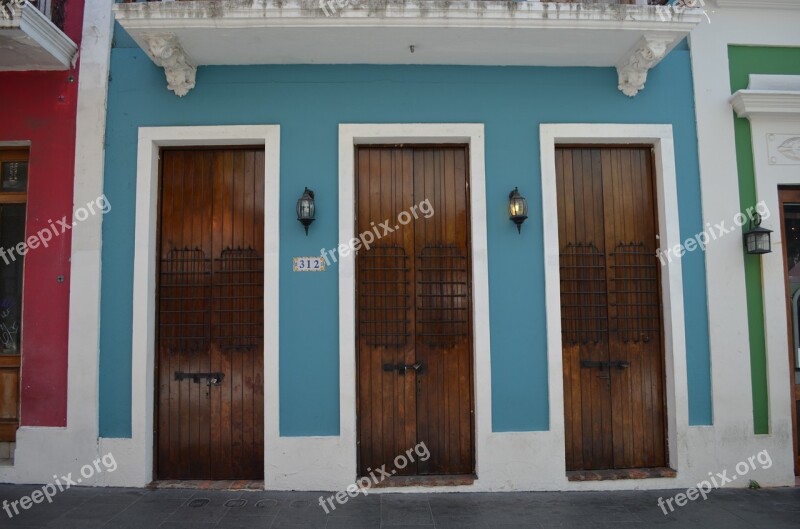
x=191 y=25
x=760 y=4
x=166 y=51
x=402 y=13
x=750 y=103
x=42 y=30
x=632 y=69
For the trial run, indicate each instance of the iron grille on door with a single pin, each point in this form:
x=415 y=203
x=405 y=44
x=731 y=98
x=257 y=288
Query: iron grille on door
x=635 y=293
x=443 y=293
x=238 y=299
x=189 y=289
x=584 y=301
x=384 y=297
x=184 y=300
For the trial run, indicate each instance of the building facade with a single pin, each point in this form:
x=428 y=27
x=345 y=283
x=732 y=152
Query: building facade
x=748 y=303
x=38 y=90
x=411 y=322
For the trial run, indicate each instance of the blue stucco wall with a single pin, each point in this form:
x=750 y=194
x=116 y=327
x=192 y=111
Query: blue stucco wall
x=309 y=102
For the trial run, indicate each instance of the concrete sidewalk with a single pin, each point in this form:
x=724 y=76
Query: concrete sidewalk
x=89 y=508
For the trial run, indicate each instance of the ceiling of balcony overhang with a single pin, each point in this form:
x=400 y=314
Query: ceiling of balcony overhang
x=183 y=35
x=479 y=33
x=30 y=41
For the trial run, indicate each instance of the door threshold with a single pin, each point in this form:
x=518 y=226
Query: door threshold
x=207 y=484
x=450 y=480
x=624 y=473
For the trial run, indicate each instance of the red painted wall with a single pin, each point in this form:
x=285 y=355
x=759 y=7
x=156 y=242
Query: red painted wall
x=40 y=107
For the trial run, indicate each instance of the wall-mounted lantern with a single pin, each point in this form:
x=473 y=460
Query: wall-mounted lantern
x=306 y=209
x=757 y=239
x=517 y=208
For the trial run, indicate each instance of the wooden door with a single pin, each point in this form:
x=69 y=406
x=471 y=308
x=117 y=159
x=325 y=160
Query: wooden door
x=414 y=307
x=790 y=224
x=13 y=198
x=610 y=309
x=210 y=420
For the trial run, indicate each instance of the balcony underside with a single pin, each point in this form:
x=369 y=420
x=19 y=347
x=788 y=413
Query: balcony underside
x=30 y=41
x=235 y=32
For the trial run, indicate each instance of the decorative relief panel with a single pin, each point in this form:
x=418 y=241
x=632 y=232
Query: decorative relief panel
x=783 y=149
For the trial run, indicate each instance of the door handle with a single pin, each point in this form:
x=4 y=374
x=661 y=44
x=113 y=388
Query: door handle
x=214 y=379
x=401 y=369
x=619 y=364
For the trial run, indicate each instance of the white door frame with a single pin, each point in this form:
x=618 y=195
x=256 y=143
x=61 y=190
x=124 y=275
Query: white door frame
x=660 y=137
x=137 y=453
x=409 y=133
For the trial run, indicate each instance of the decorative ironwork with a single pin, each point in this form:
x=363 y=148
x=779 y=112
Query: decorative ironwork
x=584 y=297
x=184 y=321
x=383 y=298
x=238 y=299
x=635 y=293
x=443 y=309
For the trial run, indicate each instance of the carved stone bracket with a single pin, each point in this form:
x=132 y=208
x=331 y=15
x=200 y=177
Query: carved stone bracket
x=633 y=68
x=166 y=51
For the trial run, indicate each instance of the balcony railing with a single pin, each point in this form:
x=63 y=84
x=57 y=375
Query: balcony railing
x=609 y=2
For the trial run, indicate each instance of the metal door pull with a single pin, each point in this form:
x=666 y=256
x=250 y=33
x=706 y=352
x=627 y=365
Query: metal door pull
x=419 y=367
x=214 y=379
x=619 y=364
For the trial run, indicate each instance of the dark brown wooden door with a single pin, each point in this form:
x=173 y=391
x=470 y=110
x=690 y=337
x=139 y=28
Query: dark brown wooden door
x=13 y=199
x=210 y=420
x=610 y=309
x=790 y=216
x=414 y=306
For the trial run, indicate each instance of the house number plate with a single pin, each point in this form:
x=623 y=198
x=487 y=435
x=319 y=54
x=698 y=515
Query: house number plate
x=308 y=264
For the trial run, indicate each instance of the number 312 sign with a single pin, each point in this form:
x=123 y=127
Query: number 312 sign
x=309 y=264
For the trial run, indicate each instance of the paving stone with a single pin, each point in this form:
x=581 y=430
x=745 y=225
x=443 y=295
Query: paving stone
x=87 y=508
x=405 y=509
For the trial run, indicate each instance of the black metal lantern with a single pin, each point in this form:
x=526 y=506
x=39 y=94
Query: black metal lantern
x=306 y=209
x=757 y=239
x=517 y=208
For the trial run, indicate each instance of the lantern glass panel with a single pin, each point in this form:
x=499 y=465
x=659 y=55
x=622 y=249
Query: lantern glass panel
x=305 y=206
x=517 y=205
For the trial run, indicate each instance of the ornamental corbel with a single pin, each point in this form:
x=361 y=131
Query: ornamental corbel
x=165 y=50
x=633 y=67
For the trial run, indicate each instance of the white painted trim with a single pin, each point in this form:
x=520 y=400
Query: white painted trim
x=749 y=103
x=468 y=133
x=42 y=30
x=760 y=4
x=732 y=434
x=787 y=83
x=42 y=452
x=489 y=33
x=660 y=136
x=767 y=179
x=139 y=449
x=402 y=13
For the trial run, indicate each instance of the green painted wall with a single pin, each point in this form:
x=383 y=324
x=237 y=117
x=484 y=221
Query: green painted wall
x=746 y=60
